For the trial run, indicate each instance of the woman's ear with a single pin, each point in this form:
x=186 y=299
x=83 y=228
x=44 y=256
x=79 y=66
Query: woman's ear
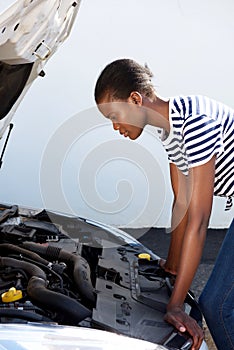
x=136 y=98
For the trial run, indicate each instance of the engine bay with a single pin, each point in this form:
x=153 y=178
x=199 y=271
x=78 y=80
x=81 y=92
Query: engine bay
x=56 y=269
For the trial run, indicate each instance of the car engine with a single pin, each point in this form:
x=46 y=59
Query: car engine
x=57 y=269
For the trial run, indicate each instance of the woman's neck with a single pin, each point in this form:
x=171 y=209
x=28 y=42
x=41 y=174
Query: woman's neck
x=157 y=112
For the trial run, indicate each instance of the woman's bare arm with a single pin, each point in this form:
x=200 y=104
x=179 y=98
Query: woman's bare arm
x=199 y=193
x=179 y=219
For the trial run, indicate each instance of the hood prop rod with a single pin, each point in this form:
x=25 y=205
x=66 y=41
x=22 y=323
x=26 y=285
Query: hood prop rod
x=5 y=144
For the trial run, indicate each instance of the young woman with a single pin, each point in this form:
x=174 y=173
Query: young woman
x=198 y=135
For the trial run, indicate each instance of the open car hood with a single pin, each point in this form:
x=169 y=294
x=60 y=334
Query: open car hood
x=30 y=33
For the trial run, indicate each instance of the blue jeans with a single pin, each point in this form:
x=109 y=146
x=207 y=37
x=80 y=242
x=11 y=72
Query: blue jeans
x=217 y=298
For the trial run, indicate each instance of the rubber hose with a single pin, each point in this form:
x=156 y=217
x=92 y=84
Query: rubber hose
x=25 y=315
x=31 y=269
x=70 y=308
x=81 y=274
x=81 y=269
x=73 y=311
x=7 y=247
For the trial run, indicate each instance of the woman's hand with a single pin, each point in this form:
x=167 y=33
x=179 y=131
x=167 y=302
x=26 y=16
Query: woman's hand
x=163 y=264
x=184 y=323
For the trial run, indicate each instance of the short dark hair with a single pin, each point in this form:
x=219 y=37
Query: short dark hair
x=121 y=77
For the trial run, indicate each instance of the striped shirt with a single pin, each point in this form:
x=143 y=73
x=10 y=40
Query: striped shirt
x=199 y=129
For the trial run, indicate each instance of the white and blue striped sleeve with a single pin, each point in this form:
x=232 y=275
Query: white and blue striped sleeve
x=202 y=139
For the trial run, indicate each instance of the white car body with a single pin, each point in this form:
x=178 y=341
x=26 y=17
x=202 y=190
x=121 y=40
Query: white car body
x=14 y=336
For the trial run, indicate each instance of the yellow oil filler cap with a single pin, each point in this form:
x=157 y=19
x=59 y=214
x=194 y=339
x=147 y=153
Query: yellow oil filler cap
x=11 y=295
x=144 y=256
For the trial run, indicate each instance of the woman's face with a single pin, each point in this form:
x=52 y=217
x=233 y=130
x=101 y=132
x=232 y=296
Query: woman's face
x=128 y=117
